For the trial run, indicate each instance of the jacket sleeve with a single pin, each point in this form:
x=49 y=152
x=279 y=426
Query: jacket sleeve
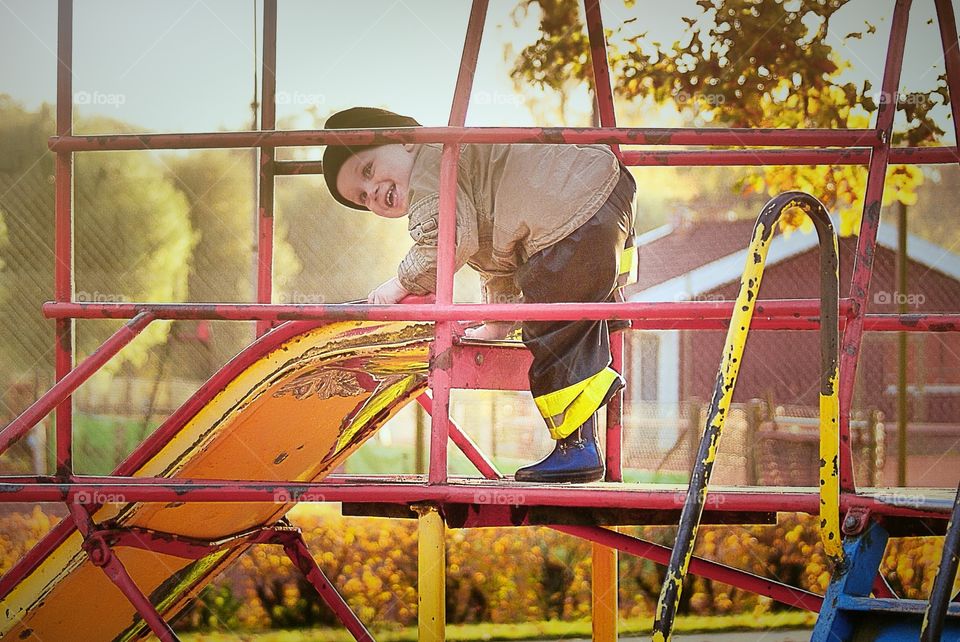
x=499 y=288
x=418 y=270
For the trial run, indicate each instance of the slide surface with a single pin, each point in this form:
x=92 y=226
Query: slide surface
x=292 y=406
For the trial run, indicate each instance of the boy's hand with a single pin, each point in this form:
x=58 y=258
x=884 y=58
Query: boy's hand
x=389 y=292
x=492 y=330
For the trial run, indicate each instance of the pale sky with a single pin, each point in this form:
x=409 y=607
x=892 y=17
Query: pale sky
x=187 y=65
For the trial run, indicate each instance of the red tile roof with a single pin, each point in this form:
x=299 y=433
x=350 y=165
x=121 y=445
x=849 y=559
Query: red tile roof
x=686 y=247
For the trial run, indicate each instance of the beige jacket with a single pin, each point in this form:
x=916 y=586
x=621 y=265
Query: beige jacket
x=512 y=201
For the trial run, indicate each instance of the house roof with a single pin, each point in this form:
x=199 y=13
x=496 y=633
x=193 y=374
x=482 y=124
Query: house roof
x=678 y=263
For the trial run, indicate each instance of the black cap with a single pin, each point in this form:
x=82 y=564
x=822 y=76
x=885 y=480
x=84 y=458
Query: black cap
x=334 y=156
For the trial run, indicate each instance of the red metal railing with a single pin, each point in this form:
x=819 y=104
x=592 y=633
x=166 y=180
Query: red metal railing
x=867 y=242
x=63 y=233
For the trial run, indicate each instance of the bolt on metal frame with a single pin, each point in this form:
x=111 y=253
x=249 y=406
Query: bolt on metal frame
x=870 y=146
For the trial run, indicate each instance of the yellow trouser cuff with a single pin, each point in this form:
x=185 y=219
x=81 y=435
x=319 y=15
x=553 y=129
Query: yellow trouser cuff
x=629 y=267
x=566 y=409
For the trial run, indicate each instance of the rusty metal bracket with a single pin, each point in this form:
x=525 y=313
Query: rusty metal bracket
x=856 y=520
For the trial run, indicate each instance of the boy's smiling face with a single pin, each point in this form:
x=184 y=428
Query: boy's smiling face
x=378 y=179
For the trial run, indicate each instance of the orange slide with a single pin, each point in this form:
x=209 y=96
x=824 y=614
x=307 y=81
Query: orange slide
x=291 y=407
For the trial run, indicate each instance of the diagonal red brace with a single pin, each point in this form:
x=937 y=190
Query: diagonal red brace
x=65 y=387
x=299 y=554
x=100 y=554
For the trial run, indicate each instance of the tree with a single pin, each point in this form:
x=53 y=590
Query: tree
x=744 y=63
x=132 y=241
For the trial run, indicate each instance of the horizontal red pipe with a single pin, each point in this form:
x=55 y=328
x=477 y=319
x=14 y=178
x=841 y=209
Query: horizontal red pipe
x=782 y=314
x=738 y=137
x=728 y=157
x=66 y=386
x=340 y=489
x=741 y=157
x=660 y=554
x=187 y=547
x=778 y=308
x=914 y=322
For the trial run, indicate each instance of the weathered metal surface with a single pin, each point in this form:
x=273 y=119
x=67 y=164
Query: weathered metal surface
x=873 y=148
x=849 y=613
x=725 y=136
x=924 y=503
x=61 y=391
x=726 y=381
x=727 y=158
x=431 y=574
x=785 y=314
x=801 y=310
x=63 y=234
x=265 y=160
x=942 y=590
x=232 y=428
x=867 y=238
x=712 y=570
x=494 y=509
x=863 y=554
x=296 y=549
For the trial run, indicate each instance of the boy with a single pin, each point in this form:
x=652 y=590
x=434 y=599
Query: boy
x=547 y=223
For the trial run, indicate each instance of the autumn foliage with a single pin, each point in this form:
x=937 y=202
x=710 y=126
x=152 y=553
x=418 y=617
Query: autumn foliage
x=743 y=63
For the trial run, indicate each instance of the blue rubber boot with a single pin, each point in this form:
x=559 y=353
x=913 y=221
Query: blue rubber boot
x=575 y=459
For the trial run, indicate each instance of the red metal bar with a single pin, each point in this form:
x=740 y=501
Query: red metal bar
x=778 y=591
x=775 y=314
x=491 y=366
x=775 y=321
x=912 y=322
x=867 y=241
x=157 y=440
x=951 y=57
x=466 y=445
x=608 y=118
x=63 y=233
x=114 y=569
x=468 y=63
x=296 y=549
x=727 y=157
x=390 y=490
x=755 y=157
x=603 y=93
x=102 y=555
x=724 y=136
x=441 y=362
x=185 y=547
x=614 y=411
x=366 y=490
x=442 y=349
x=265 y=180
x=774 y=308
x=64 y=387
x=882 y=589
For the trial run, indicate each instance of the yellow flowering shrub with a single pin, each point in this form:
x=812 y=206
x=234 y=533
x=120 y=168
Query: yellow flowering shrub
x=496 y=575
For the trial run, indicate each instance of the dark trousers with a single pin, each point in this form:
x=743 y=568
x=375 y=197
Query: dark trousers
x=582 y=267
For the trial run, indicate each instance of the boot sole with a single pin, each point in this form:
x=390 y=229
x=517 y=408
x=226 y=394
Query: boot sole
x=580 y=477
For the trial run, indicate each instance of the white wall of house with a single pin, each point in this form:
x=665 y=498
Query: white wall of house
x=653 y=380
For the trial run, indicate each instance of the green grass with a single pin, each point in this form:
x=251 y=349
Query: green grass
x=102 y=442
x=387 y=461
x=529 y=630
